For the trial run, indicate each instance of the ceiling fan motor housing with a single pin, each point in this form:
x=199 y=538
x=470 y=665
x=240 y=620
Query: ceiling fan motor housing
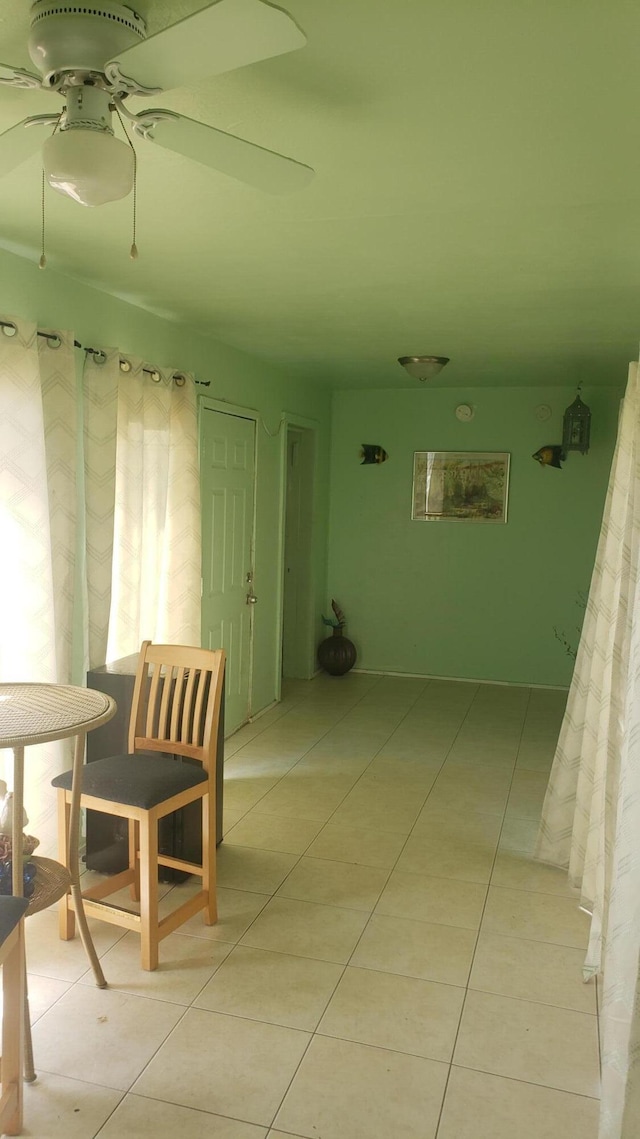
x=80 y=37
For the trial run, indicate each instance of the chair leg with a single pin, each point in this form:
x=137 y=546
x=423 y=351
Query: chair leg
x=66 y=917
x=30 y=1073
x=13 y=1026
x=149 y=891
x=209 y=858
x=134 y=861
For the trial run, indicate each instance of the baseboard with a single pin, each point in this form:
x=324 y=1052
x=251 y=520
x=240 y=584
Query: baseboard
x=263 y=711
x=464 y=679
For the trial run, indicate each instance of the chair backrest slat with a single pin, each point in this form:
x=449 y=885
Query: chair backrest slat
x=176 y=704
x=197 y=727
x=165 y=703
x=187 y=708
x=151 y=726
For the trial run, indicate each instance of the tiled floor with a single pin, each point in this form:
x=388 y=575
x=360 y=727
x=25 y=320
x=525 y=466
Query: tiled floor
x=389 y=961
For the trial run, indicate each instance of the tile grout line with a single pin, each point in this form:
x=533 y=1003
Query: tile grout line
x=302 y=854
x=311 y=747
x=186 y=1009
x=346 y=965
x=314 y=1033
x=402 y=848
x=347 y=793
x=249 y=927
x=288 y=772
x=475 y=948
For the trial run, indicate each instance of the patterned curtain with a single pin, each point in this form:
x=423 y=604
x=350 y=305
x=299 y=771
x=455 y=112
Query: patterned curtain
x=143 y=507
x=100 y=391
x=591 y=815
x=38 y=509
x=109 y=547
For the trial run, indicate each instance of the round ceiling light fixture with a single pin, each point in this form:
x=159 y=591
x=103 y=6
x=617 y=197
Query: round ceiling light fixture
x=423 y=367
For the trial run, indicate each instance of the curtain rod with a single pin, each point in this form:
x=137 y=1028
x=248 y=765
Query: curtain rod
x=94 y=351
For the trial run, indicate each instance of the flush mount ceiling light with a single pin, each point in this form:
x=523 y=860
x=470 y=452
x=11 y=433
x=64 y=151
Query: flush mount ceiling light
x=423 y=367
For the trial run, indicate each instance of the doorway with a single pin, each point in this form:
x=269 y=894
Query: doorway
x=227 y=466
x=298 y=617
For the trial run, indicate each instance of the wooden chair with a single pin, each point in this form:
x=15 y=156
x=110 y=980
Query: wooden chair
x=175 y=713
x=13 y=990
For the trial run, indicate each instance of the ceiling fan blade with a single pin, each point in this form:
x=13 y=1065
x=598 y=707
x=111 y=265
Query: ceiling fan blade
x=226 y=35
x=17 y=144
x=18 y=77
x=243 y=160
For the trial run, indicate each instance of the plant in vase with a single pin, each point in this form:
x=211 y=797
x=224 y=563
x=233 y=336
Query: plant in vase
x=29 y=843
x=337 y=654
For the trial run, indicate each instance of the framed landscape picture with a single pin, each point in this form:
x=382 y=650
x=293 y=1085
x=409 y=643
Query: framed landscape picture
x=460 y=486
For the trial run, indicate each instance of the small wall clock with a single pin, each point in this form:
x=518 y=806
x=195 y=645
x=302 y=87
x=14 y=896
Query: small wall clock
x=464 y=412
x=543 y=412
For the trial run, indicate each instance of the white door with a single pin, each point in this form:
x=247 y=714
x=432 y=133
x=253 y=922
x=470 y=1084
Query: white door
x=291 y=556
x=298 y=649
x=227 y=458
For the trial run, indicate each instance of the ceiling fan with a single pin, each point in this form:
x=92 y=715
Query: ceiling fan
x=95 y=56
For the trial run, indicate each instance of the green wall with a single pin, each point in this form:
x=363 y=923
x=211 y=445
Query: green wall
x=53 y=300
x=455 y=598
x=448 y=599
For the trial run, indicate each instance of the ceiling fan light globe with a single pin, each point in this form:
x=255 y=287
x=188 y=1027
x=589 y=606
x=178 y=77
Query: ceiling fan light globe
x=92 y=167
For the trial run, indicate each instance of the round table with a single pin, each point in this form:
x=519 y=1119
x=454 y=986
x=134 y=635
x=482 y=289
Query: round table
x=36 y=714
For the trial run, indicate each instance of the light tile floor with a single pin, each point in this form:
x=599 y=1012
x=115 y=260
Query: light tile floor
x=389 y=960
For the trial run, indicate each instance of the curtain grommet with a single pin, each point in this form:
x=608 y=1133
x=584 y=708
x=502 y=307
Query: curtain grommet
x=99 y=357
x=155 y=376
x=54 y=342
x=125 y=365
x=9 y=329
x=179 y=380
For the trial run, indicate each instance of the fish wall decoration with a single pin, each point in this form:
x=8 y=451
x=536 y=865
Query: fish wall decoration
x=372 y=453
x=550 y=455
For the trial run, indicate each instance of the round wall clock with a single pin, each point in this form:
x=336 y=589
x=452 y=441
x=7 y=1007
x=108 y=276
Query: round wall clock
x=464 y=412
x=543 y=411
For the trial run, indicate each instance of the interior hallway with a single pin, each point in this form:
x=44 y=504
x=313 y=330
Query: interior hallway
x=388 y=961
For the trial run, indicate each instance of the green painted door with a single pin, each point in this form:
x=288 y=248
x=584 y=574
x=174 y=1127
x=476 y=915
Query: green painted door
x=227 y=457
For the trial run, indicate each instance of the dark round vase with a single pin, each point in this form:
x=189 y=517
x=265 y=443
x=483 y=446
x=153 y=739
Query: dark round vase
x=337 y=654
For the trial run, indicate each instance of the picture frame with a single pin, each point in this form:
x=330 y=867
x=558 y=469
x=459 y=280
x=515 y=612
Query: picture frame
x=460 y=486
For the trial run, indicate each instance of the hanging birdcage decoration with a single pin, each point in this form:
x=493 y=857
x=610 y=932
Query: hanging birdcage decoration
x=576 y=427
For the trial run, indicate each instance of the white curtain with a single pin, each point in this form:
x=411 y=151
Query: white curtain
x=109 y=546
x=38 y=506
x=591 y=815
x=143 y=507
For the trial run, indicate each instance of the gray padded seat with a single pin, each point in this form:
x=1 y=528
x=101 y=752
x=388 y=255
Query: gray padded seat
x=11 y=910
x=141 y=780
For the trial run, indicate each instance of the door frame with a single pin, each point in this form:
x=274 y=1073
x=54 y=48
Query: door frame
x=210 y=403
x=308 y=647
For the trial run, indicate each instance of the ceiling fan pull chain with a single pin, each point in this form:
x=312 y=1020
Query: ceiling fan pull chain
x=133 y=252
x=43 y=260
